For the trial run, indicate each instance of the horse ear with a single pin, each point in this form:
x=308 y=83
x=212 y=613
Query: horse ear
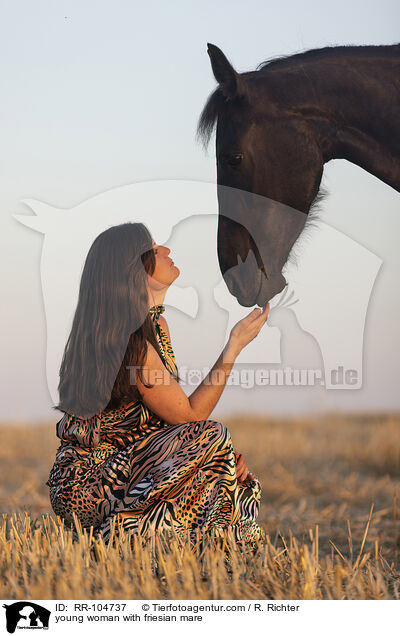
x=224 y=72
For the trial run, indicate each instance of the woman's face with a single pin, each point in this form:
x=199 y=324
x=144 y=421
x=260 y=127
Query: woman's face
x=165 y=271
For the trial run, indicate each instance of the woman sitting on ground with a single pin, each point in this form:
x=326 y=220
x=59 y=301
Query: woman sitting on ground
x=133 y=446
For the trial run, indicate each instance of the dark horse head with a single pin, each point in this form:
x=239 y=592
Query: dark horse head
x=275 y=129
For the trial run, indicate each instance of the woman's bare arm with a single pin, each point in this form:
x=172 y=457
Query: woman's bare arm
x=167 y=398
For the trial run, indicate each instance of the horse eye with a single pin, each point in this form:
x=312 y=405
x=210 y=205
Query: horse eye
x=235 y=160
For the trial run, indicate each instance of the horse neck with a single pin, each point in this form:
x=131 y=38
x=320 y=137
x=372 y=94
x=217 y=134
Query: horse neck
x=354 y=108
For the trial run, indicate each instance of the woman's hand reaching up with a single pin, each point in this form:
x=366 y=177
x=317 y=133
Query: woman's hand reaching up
x=248 y=328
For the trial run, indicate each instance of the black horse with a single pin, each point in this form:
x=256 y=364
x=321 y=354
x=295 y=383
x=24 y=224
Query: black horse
x=276 y=127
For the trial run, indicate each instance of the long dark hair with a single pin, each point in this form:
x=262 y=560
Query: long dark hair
x=111 y=325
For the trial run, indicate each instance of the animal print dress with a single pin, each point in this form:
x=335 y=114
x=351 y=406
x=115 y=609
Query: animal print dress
x=158 y=475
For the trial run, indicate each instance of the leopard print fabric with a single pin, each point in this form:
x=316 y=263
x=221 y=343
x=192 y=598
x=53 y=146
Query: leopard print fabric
x=127 y=466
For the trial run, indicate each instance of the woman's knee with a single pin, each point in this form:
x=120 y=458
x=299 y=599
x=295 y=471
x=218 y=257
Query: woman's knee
x=217 y=427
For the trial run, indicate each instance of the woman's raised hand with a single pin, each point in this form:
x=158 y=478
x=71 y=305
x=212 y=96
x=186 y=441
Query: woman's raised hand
x=248 y=328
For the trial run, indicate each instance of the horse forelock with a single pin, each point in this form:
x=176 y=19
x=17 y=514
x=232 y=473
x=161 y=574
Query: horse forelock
x=209 y=115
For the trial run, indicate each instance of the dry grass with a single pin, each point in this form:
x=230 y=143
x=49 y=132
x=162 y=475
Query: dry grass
x=329 y=506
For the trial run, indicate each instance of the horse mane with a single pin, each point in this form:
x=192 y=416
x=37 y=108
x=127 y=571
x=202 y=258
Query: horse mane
x=216 y=102
x=361 y=50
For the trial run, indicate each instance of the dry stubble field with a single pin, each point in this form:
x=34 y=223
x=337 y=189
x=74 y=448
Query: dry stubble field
x=329 y=507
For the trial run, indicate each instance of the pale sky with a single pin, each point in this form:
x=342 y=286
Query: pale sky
x=98 y=95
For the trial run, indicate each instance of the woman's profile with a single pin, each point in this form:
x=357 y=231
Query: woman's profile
x=133 y=445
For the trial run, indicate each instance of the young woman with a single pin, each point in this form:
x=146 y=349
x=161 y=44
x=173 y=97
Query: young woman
x=134 y=448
